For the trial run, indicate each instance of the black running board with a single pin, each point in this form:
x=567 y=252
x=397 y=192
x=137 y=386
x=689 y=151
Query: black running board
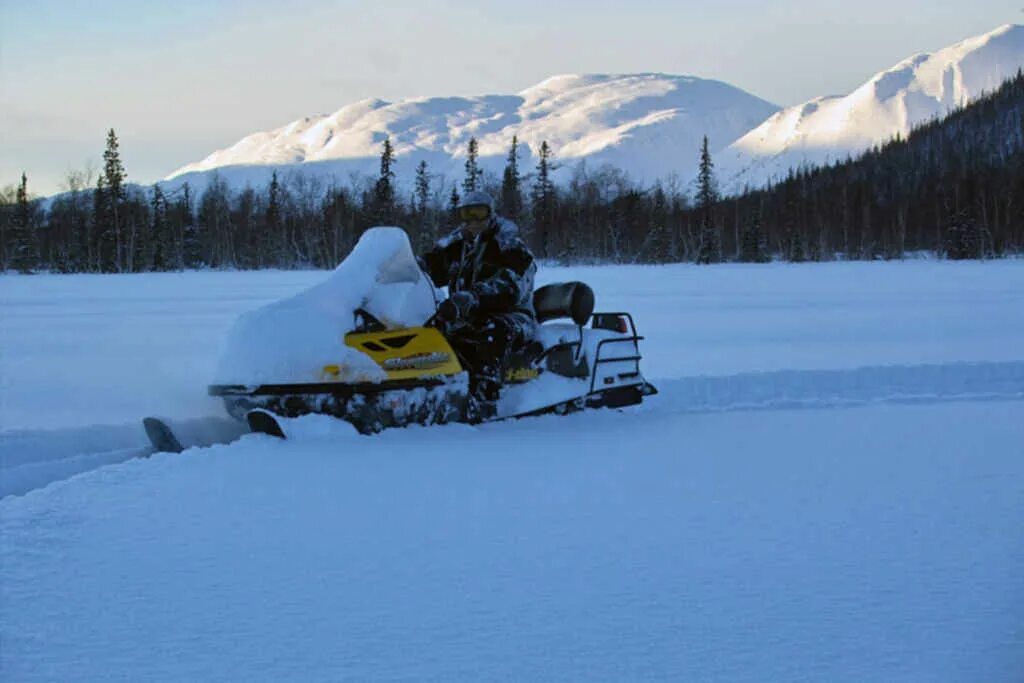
x=324 y=388
x=615 y=397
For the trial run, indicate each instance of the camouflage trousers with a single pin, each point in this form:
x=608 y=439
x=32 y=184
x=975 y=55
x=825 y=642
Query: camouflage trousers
x=484 y=345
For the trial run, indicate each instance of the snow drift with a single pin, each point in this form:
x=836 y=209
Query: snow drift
x=293 y=339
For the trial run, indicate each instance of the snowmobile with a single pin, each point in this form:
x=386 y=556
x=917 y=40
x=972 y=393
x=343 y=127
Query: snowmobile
x=567 y=367
x=362 y=347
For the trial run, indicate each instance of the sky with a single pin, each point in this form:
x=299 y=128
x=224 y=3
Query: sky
x=182 y=79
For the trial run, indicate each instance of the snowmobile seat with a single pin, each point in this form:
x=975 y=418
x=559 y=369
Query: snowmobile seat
x=573 y=300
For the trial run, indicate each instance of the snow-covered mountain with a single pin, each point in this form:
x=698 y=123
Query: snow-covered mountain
x=890 y=103
x=649 y=125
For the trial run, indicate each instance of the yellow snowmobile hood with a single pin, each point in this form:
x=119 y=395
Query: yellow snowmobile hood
x=404 y=354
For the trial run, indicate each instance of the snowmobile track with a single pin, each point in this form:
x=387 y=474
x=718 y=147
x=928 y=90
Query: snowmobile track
x=787 y=389
x=34 y=459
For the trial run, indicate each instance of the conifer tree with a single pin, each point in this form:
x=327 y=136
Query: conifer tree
x=159 y=231
x=5 y=229
x=543 y=199
x=474 y=175
x=100 y=212
x=111 y=231
x=753 y=245
x=660 y=248
x=421 y=189
x=384 y=188
x=191 y=245
x=272 y=239
x=793 y=242
x=421 y=206
x=24 y=257
x=453 y=207
x=710 y=247
x=795 y=247
x=511 y=199
x=963 y=239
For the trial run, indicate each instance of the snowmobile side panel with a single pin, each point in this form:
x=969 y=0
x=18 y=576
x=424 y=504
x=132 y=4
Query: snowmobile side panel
x=407 y=354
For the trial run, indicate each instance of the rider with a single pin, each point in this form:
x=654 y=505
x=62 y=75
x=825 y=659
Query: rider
x=489 y=274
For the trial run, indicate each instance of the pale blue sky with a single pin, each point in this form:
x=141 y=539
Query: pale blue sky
x=179 y=79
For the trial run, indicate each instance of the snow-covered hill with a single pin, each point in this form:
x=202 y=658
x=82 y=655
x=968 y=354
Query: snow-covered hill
x=890 y=103
x=647 y=124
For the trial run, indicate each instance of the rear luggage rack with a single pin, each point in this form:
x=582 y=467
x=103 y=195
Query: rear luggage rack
x=633 y=339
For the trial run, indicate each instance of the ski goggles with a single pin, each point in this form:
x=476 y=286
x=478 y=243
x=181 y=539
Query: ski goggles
x=475 y=213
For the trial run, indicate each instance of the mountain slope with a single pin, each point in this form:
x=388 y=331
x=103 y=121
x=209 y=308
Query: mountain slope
x=891 y=103
x=647 y=124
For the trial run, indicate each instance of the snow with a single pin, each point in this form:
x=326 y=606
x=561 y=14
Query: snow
x=892 y=102
x=642 y=123
x=829 y=486
x=292 y=340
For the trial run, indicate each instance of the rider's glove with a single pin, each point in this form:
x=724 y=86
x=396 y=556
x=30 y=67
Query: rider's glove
x=457 y=307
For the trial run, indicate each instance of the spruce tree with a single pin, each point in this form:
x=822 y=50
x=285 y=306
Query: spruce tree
x=795 y=251
x=511 y=199
x=710 y=247
x=421 y=189
x=963 y=239
x=191 y=245
x=421 y=206
x=159 y=231
x=5 y=227
x=99 y=221
x=271 y=241
x=543 y=199
x=24 y=257
x=453 y=207
x=660 y=250
x=753 y=246
x=474 y=175
x=384 y=188
x=111 y=231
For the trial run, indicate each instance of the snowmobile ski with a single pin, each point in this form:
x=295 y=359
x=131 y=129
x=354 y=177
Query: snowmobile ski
x=161 y=436
x=264 y=422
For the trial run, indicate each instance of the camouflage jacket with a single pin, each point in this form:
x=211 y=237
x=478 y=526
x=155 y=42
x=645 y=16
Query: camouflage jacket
x=496 y=266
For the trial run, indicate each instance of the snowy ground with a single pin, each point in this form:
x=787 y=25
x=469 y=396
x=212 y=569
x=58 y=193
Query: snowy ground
x=830 y=486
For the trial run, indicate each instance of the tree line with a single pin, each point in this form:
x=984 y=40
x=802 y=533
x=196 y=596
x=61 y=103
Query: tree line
x=953 y=187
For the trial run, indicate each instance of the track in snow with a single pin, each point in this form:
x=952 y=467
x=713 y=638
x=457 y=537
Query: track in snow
x=32 y=459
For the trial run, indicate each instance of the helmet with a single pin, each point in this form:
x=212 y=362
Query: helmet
x=475 y=206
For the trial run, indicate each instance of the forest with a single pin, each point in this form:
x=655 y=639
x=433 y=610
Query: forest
x=953 y=188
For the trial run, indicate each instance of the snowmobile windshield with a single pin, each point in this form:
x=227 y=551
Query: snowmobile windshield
x=292 y=340
x=475 y=213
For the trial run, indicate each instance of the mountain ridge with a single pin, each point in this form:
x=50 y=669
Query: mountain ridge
x=622 y=119
x=649 y=124
x=892 y=102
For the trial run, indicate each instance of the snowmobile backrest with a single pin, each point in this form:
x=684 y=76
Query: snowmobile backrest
x=564 y=300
